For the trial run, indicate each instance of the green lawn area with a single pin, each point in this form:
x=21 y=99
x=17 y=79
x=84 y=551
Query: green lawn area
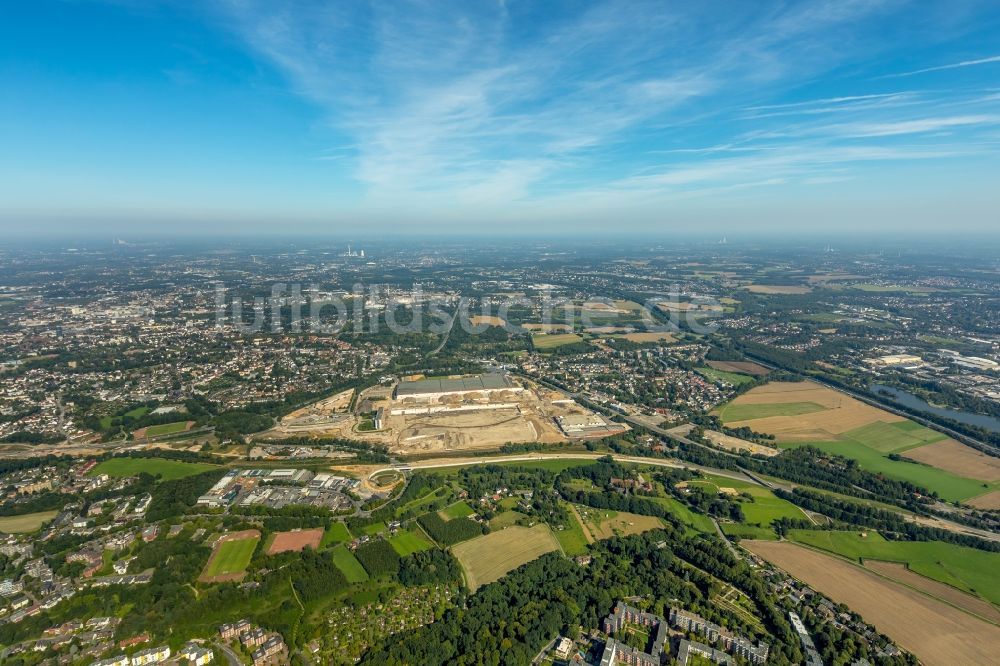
x=571 y=538
x=734 y=412
x=410 y=541
x=505 y=519
x=552 y=340
x=508 y=502
x=966 y=568
x=893 y=437
x=456 y=510
x=424 y=500
x=28 y=522
x=231 y=557
x=721 y=375
x=765 y=508
x=748 y=531
x=949 y=486
x=336 y=533
x=348 y=564
x=167 y=469
x=134 y=413
x=166 y=429
x=374 y=528
x=696 y=521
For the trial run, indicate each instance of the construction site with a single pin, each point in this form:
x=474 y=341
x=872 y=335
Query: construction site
x=436 y=414
x=464 y=413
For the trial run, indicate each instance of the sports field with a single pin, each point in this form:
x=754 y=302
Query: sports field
x=167 y=428
x=937 y=633
x=230 y=556
x=965 y=568
x=295 y=540
x=489 y=557
x=167 y=469
x=408 y=542
x=29 y=522
x=344 y=560
x=553 y=340
x=848 y=427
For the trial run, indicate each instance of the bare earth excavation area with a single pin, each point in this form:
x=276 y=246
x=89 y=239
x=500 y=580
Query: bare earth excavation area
x=937 y=633
x=469 y=420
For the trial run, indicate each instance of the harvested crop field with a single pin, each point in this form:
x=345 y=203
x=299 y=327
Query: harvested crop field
x=937 y=633
x=830 y=413
x=648 y=336
x=990 y=500
x=605 y=523
x=729 y=443
x=552 y=340
x=807 y=413
x=295 y=540
x=958 y=458
x=487 y=320
x=741 y=367
x=899 y=571
x=777 y=289
x=546 y=328
x=488 y=558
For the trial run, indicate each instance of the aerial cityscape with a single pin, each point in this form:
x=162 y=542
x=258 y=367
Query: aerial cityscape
x=548 y=334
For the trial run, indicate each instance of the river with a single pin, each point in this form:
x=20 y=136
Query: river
x=913 y=402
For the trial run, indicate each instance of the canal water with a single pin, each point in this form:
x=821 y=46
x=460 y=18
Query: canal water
x=914 y=402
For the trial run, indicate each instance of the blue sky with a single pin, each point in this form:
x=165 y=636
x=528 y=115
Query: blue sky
x=513 y=116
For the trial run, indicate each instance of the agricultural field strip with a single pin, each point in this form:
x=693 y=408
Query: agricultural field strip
x=937 y=633
x=489 y=557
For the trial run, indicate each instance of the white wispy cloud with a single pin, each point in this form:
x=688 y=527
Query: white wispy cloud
x=941 y=68
x=476 y=104
x=917 y=126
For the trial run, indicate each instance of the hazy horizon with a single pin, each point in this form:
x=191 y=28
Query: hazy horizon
x=499 y=119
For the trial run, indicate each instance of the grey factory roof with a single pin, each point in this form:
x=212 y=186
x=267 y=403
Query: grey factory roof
x=444 y=385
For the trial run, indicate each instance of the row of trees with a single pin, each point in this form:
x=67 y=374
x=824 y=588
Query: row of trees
x=888 y=522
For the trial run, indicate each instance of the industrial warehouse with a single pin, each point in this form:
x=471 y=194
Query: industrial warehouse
x=435 y=388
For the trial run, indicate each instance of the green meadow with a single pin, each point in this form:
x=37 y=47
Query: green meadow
x=167 y=469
